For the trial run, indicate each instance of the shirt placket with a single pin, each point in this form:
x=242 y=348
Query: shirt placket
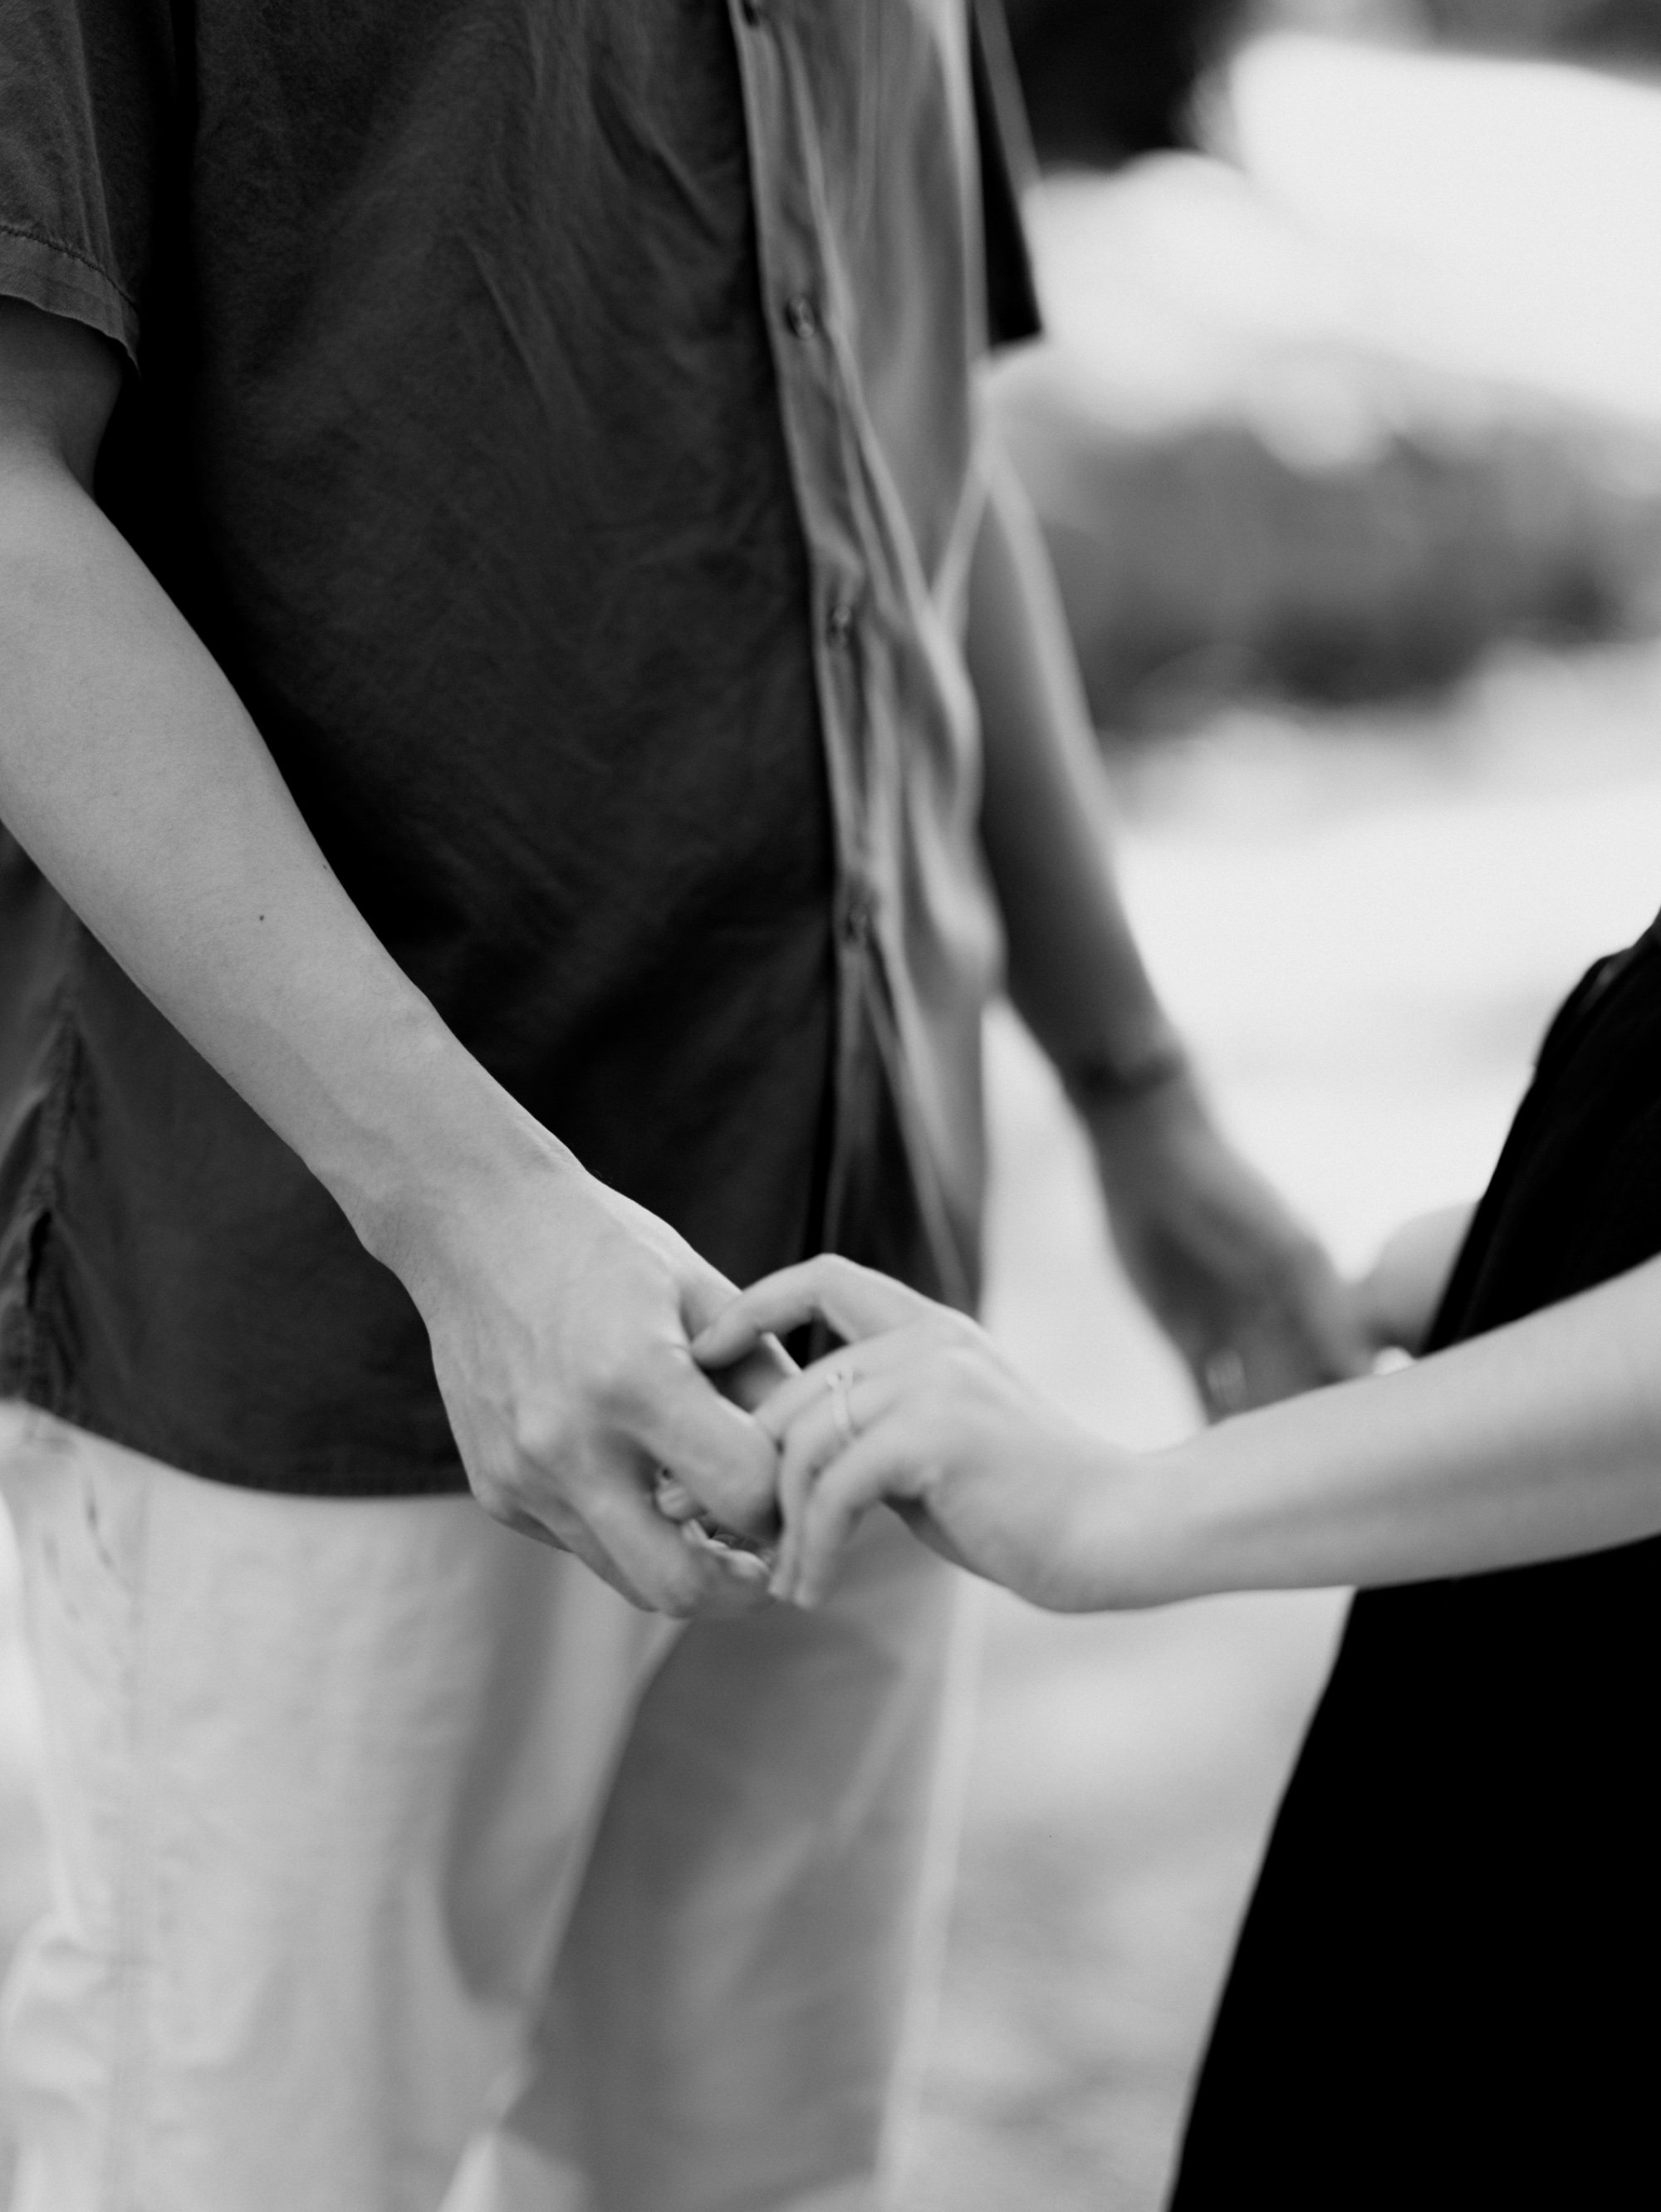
x=800 y=277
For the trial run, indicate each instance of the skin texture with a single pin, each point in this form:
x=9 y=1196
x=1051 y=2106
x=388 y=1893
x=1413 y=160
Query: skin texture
x=1534 y=1442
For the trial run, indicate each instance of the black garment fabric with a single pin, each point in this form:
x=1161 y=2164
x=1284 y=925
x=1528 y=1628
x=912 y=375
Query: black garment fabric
x=455 y=433
x=1444 y=1990
x=1008 y=168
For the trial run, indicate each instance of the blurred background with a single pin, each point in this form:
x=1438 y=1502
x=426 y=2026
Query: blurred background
x=1346 y=437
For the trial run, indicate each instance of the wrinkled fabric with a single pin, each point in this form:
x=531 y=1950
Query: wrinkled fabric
x=558 y=419
x=431 y=1896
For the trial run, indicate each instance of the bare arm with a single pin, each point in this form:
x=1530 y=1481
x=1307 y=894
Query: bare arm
x=1239 y=1284
x=1539 y=1440
x=1076 y=973
x=129 y=771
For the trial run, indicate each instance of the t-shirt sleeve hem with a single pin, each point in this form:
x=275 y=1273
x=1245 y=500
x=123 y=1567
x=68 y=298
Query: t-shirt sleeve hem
x=62 y=282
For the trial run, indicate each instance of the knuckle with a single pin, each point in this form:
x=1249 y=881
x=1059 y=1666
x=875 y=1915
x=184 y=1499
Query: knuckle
x=616 y=1386
x=542 y=1434
x=680 y=1592
x=834 y=1277
x=494 y=1495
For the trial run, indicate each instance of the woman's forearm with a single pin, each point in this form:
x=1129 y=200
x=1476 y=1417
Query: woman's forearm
x=1540 y=1439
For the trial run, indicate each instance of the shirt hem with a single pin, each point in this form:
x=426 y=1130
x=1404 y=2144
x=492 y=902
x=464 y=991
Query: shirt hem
x=370 y=1473
x=60 y=281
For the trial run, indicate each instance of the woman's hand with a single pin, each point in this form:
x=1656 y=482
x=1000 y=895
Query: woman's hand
x=1397 y=1297
x=917 y=1408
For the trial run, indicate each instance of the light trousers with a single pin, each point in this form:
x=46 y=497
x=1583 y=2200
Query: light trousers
x=400 y=1866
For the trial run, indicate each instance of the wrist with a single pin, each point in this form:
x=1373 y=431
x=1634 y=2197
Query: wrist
x=1104 y=1078
x=433 y=1181
x=1137 y=1536
x=1144 y=1134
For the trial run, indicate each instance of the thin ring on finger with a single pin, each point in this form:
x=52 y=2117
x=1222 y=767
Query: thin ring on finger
x=860 y=1361
x=834 y=1427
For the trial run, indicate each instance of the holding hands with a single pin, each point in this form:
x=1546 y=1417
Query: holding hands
x=560 y=1314
x=918 y=1409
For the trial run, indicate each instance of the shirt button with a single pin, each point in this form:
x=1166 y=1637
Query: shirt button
x=839 y=626
x=801 y=316
x=859 y=916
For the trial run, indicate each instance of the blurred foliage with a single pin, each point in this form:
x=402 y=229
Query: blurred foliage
x=1319 y=516
x=1228 y=557
x=1108 y=80
x=1609 y=27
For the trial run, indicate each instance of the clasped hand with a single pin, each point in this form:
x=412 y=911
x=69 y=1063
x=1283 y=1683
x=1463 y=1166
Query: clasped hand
x=561 y=1315
x=918 y=1409
x=582 y=1348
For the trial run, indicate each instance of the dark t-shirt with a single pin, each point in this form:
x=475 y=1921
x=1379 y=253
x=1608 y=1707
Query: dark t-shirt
x=455 y=434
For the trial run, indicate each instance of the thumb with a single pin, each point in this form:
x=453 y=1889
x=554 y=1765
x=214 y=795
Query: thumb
x=760 y=1363
x=711 y=1445
x=856 y=1302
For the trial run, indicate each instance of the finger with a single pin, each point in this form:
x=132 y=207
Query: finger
x=739 y=1581
x=756 y=1371
x=672 y=1499
x=677 y=1419
x=814 y=1440
x=879 y=1465
x=649 y=1557
x=705 y=1294
x=876 y=1355
x=751 y=1381
x=856 y=1302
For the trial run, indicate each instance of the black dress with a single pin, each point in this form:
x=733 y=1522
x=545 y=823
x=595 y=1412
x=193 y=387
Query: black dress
x=1445 y=1988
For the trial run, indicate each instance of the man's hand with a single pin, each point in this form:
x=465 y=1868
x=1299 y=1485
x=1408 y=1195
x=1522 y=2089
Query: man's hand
x=1241 y=1286
x=559 y=1318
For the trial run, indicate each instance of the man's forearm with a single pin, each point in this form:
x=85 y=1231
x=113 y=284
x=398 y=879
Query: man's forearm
x=1238 y=1285
x=1076 y=972
x=131 y=772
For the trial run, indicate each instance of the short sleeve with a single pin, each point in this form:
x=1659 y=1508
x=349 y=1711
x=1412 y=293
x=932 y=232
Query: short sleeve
x=86 y=91
x=1007 y=166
